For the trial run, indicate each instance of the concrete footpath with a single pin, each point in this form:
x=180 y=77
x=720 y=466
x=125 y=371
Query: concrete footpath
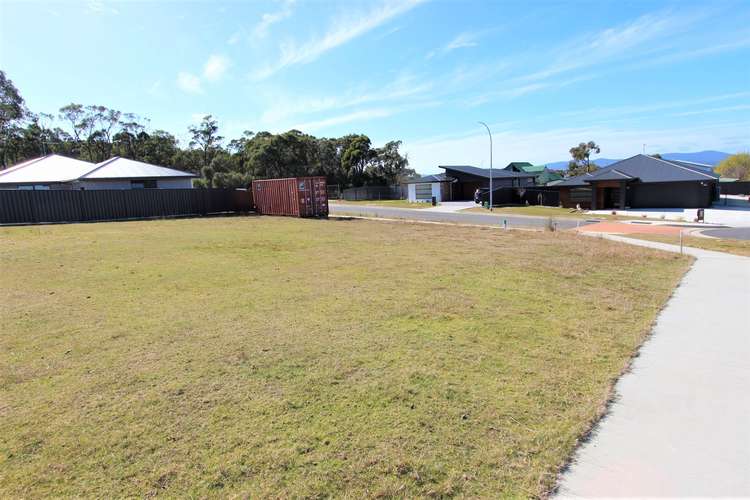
x=680 y=423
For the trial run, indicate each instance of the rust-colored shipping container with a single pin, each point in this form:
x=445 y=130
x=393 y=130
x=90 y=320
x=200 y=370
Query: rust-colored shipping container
x=295 y=196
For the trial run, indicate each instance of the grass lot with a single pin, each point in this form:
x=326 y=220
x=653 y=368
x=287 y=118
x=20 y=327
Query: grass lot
x=540 y=211
x=383 y=203
x=281 y=357
x=737 y=247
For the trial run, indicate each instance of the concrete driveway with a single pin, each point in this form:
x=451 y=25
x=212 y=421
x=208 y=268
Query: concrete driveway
x=679 y=426
x=451 y=206
x=725 y=215
x=732 y=233
x=426 y=214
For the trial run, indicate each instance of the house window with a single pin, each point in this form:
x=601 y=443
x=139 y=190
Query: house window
x=144 y=184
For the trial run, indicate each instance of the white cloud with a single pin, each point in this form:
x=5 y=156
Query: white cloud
x=282 y=107
x=189 y=83
x=270 y=18
x=341 y=31
x=101 y=7
x=215 y=67
x=367 y=114
x=155 y=88
x=637 y=109
x=234 y=38
x=723 y=109
x=627 y=41
x=461 y=41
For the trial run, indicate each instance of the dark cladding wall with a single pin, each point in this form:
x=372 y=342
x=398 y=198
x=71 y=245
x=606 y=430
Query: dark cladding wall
x=467 y=183
x=671 y=195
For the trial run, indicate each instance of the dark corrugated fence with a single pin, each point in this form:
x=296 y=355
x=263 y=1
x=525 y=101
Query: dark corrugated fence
x=28 y=207
x=739 y=187
x=396 y=192
x=522 y=196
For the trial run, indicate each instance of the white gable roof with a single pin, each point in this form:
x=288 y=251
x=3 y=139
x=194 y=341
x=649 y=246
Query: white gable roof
x=50 y=168
x=122 y=168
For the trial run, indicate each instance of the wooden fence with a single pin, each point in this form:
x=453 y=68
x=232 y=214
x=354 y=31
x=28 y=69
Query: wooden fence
x=30 y=207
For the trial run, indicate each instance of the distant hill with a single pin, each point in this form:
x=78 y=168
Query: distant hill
x=707 y=157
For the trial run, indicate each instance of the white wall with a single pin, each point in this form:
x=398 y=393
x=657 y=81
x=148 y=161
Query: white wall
x=412 y=193
x=114 y=184
x=182 y=183
x=436 y=192
x=186 y=183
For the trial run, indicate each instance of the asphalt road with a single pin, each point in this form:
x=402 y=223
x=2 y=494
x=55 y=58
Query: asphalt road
x=521 y=221
x=732 y=233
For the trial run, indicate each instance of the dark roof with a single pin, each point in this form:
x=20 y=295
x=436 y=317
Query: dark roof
x=611 y=174
x=649 y=169
x=430 y=178
x=577 y=181
x=696 y=166
x=518 y=166
x=484 y=172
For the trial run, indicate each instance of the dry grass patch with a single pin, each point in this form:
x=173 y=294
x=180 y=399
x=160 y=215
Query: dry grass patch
x=736 y=247
x=276 y=357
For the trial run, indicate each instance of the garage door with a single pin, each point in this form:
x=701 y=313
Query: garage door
x=424 y=191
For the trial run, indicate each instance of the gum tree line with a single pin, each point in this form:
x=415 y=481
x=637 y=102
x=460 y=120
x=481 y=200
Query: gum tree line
x=96 y=133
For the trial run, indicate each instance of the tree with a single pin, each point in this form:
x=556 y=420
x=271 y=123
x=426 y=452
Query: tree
x=205 y=137
x=12 y=113
x=581 y=154
x=355 y=158
x=95 y=133
x=736 y=166
x=388 y=166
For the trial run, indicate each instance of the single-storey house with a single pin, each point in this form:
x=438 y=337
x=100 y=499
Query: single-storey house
x=60 y=172
x=641 y=182
x=424 y=188
x=542 y=173
x=122 y=173
x=467 y=179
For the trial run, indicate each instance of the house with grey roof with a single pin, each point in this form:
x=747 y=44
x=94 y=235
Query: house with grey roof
x=642 y=182
x=467 y=179
x=63 y=173
x=423 y=189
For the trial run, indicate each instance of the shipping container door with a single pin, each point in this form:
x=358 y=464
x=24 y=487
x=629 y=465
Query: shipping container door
x=320 y=196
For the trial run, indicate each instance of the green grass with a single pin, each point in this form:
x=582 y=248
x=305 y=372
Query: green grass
x=541 y=211
x=737 y=247
x=278 y=357
x=383 y=203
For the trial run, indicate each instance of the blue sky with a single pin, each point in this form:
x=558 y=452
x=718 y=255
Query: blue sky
x=544 y=75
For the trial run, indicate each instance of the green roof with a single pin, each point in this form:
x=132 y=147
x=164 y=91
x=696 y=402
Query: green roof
x=533 y=169
x=518 y=166
x=548 y=176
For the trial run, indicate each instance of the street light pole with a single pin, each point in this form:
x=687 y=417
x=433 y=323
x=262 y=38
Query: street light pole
x=490 y=134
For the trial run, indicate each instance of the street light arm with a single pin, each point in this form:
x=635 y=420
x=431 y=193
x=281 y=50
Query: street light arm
x=490 y=134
